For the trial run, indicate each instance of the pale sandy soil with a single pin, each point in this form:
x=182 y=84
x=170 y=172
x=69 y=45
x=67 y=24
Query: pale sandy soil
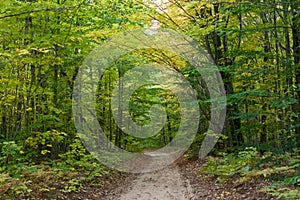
x=163 y=184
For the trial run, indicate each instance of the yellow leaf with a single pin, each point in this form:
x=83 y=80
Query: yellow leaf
x=43 y=152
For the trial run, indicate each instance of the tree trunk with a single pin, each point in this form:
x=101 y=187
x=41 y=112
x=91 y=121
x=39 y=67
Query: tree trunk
x=296 y=49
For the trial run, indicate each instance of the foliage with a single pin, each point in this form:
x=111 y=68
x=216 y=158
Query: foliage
x=11 y=153
x=282 y=170
x=255 y=46
x=235 y=163
x=72 y=171
x=284 y=193
x=46 y=144
x=286 y=179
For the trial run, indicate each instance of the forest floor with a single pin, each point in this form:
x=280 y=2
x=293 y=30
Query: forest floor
x=163 y=184
x=182 y=181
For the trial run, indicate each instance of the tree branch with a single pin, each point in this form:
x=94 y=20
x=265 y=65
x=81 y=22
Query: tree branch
x=37 y=11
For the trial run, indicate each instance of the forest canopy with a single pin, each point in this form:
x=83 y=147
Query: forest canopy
x=254 y=44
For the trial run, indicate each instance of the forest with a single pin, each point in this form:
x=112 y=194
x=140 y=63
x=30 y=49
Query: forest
x=45 y=46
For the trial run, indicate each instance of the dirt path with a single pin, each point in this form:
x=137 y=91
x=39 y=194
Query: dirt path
x=166 y=184
x=163 y=184
x=182 y=181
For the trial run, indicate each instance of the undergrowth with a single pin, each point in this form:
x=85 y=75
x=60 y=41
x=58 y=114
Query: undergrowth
x=25 y=177
x=281 y=170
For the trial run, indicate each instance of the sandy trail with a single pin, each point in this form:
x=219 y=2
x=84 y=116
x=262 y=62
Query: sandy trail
x=163 y=184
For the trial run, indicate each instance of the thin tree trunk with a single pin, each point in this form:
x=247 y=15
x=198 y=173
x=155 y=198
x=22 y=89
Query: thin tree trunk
x=296 y=49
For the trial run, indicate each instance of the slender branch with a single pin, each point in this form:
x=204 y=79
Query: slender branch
x=37 y=11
